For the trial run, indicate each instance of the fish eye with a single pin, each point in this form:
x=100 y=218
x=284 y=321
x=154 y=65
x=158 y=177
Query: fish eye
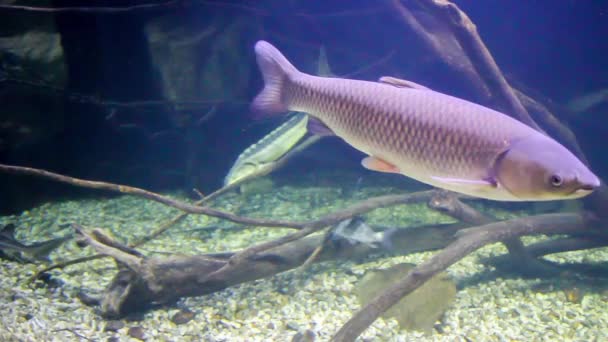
x=556 y=180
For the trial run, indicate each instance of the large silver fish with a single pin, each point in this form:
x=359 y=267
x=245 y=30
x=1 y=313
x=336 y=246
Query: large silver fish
x=434 y=138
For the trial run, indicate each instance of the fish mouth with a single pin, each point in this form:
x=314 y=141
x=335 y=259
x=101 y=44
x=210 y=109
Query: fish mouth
x=583 y=191
x=587 y=187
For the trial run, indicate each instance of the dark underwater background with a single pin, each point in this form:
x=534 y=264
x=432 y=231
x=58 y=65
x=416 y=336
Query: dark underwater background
x=157 y=97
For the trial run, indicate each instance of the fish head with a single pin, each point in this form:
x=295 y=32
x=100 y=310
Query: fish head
x=241 y=171
x=538 y=168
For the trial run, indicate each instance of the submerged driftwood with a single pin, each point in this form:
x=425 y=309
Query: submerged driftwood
x=145 y=281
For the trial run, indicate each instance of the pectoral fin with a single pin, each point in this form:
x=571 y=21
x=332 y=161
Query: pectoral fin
x=377 y=164
x=399 y=83
x=317 y=127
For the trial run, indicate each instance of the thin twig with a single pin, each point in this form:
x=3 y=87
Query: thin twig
x=125 y=189
x=317 y=251
x=73 y=332
x=88 y=9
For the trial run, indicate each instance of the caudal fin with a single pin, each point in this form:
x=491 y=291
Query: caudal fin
x=276 y=70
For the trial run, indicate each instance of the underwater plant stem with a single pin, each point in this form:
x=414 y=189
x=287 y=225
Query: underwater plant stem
x=467 y=242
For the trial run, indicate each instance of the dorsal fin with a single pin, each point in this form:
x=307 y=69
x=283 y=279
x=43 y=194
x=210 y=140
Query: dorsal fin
x=400 y=83
x=323 y=68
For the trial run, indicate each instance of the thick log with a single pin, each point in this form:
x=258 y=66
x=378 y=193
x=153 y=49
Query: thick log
x=142 y=282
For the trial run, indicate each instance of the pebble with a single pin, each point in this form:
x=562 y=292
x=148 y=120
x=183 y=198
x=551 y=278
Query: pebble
x=574 y=295
x=183 y=317
x=137 y=332
x=306 y=336
x=292 y=325
x=113 y=326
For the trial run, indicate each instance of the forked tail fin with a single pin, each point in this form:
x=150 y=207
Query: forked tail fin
x=276 y=70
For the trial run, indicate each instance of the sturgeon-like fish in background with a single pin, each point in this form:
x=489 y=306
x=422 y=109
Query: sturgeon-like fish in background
x=434 y=138
x=12 y=249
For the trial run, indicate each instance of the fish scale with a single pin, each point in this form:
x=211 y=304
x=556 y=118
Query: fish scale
x=432 y=137
x=420 y=141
